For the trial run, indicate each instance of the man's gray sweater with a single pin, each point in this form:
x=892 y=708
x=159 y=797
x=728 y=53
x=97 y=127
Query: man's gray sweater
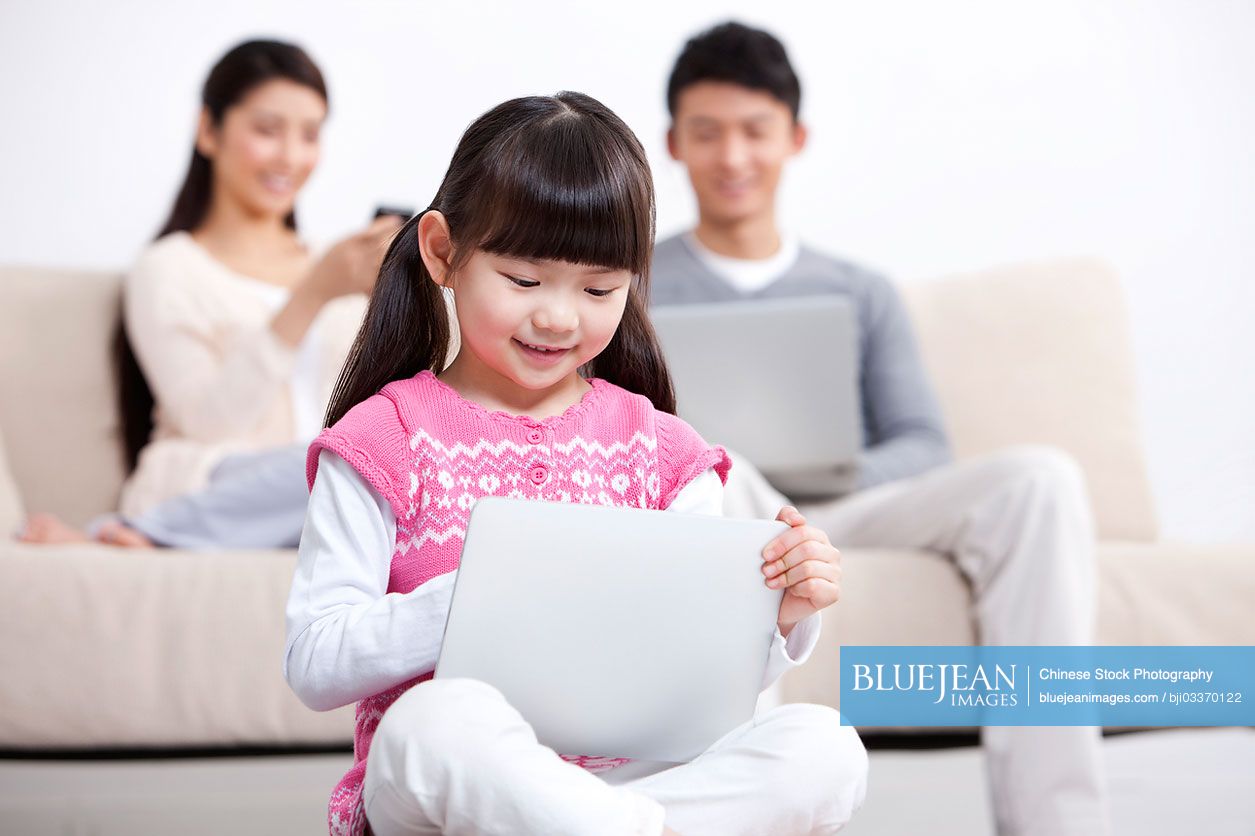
x=903 y=432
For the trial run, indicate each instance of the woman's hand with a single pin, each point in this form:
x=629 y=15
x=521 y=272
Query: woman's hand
x=805 y=564
x=352 y=265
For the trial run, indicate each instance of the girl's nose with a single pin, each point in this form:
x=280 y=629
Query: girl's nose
x=556 y=318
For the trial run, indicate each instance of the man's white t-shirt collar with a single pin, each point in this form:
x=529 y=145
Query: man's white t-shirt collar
x=748 y=274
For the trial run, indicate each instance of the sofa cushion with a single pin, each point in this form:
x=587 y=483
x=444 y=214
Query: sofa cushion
x=58 y=403
x=888 y=597
x=1041 y=353
x=127 y=648
x=107 y=647
x=1148 y=594
x=1174 y=593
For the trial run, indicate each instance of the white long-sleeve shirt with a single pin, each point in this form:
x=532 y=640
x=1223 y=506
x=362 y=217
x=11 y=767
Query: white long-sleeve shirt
x=348 y=638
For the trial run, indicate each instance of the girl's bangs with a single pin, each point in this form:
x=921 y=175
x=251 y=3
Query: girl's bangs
x=566 y=199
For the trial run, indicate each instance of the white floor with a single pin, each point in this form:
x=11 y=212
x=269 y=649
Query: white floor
x=1175 y=782
x=1164 y=783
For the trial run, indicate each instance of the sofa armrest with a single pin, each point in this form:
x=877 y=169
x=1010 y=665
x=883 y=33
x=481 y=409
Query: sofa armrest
x=11 y=511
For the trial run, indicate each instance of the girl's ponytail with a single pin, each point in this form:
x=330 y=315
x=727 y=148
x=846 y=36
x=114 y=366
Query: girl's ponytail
x=406 y=328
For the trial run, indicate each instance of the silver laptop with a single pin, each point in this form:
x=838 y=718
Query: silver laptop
x=775 y=380
x=615 y=632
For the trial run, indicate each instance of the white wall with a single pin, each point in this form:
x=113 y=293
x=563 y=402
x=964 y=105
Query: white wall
x=945 y=137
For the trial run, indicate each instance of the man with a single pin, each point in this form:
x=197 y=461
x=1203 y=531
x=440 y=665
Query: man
x=1017 y=524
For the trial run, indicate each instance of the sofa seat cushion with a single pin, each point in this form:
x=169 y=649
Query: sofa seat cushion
x=133 y=648
x=107 y=647
x=1173 y=593
x=1147 y=594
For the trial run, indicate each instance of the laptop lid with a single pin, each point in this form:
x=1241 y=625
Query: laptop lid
x=615 y=632
x=775 y=380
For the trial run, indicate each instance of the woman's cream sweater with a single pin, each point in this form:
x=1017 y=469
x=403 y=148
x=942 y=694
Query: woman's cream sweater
x=221 y=379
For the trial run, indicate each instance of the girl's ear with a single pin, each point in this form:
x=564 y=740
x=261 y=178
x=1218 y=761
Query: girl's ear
x=435 y=246
x=206 y=136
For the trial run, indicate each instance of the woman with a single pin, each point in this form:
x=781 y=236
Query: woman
x=237 y=326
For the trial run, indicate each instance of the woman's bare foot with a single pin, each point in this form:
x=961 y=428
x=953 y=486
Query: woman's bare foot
x=115 y=533
x=47 y=528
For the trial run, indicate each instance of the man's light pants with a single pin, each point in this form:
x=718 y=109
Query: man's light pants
x=1017 y=523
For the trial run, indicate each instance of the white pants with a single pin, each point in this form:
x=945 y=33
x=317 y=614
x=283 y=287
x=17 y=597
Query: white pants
x=453 y=757
x=1017 y=524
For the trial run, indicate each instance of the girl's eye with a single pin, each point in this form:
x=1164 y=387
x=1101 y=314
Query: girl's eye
x=598 y=292
x=523 y=282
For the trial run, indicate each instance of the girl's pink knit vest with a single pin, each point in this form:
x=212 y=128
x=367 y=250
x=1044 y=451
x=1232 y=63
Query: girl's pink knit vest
x=431 y=453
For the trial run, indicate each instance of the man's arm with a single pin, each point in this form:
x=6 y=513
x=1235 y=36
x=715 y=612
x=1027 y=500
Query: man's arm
x=904 y=426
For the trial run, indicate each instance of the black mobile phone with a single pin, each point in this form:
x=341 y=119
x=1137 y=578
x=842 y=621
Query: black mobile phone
x=402 y=212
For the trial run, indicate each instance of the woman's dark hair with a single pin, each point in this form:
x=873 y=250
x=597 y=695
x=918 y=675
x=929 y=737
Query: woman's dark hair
x=239 y=72
x=557 y=178
x=735 y=53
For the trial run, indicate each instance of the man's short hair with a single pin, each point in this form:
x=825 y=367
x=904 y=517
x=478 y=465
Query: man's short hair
x=735 y=53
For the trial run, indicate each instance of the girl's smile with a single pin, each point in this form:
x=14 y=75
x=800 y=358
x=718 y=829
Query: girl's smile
x=540 y=354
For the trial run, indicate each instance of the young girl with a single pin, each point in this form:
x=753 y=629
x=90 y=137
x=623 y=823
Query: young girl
x=542 y=231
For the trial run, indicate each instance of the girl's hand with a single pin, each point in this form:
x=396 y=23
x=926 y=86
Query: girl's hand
x=805 y=564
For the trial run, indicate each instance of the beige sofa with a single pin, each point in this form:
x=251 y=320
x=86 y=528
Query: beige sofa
x=104 y=648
